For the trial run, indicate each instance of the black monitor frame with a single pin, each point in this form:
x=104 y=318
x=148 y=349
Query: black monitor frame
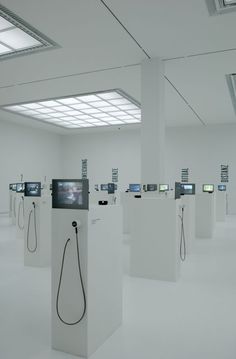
x=132 y=187
x=151 y=187
x=185 y=191
x=28 y=189
x=178 y=190
x=85 y=194
x=163 y=184
x=205 y=191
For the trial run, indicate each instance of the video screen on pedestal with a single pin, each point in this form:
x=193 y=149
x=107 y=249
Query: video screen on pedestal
x=20 y=188
x=10 y=187
x=13 y=187
x=32 y=189
x=134 y=187
x=222 y=187
x=208 y=188
x=178 y=189
x=70 y=193
x=151 y=187
x=163 y=187
x=111 y=188
x=187 y=188
x=104 y=187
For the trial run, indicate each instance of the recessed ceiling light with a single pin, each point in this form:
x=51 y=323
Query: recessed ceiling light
x=83 y=111
x=17 y=37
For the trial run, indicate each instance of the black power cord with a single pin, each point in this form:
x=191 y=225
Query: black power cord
x=182 y=250
x=35 y=230
x=74 y=224
x=21 y=205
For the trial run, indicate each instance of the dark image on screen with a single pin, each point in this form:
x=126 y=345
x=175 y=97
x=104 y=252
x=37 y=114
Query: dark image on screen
x=32 y=189
x=20 y=187
x=111 y=188
x=134 y=187
x=104 y=187
x=221 y=187
x=151 y=187
x=10 y=186
x=70 y=193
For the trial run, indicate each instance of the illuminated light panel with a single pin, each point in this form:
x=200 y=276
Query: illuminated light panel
x=17 y=37
x=93 y=110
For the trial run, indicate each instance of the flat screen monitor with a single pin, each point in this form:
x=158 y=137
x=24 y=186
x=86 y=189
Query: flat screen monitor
x=32 y=189
x=222 y=187
x=70 y=193
x=13 y=186
x=10 y=186
x=134 y=187
x=104 y=187
x=208 y=188
x=111 y=188
x=187 y=188
x=163 y=187
x=20 y=188
x=151 y=187
x=178 y=189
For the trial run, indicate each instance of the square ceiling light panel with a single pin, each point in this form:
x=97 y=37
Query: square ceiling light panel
x=107 y=108
x=17 y=37
x=220 y=7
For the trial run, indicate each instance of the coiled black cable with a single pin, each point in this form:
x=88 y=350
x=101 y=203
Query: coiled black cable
x=21 y=205
x=182 y=237
x=35 y=230
x=81 y=280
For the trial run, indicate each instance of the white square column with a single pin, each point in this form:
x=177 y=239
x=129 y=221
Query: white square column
x=153 y=122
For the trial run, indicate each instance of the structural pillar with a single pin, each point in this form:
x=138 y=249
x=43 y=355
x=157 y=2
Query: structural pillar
x=153 y=122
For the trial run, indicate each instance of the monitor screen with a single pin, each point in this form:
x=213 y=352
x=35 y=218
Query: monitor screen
x=10 y=186
x=208 y=188
x=134 y=187
x=20 y=187
x=104 y=187
x=111 y=188
x=178 y=190
x=70 y=193
x=13 y=186
x=32 y=189
x=163 y=187
x=151 y=187
x=221 y=187
x=187 y=188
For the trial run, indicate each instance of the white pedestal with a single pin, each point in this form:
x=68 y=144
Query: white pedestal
x=20 y=215
x=220 y=206
x=100 y=253
x=189 y=221
x=42 y=256
x=155 y=239
x=205 y=215
x=14 y=209
x=126 y=199
x=10 y=203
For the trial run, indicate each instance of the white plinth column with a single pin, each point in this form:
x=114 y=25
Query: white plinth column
x=153 y=123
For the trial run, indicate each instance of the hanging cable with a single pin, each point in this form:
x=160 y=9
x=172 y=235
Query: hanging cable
x=21 y=205
x=182 y=237
x=14 y=207
x=74 y=224
x=35 y=230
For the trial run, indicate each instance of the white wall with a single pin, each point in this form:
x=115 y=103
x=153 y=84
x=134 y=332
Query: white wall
x=31 y=152
x=104 y=151
x=201 y=149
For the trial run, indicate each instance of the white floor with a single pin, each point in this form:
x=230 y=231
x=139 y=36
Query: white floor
x=192 y=319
